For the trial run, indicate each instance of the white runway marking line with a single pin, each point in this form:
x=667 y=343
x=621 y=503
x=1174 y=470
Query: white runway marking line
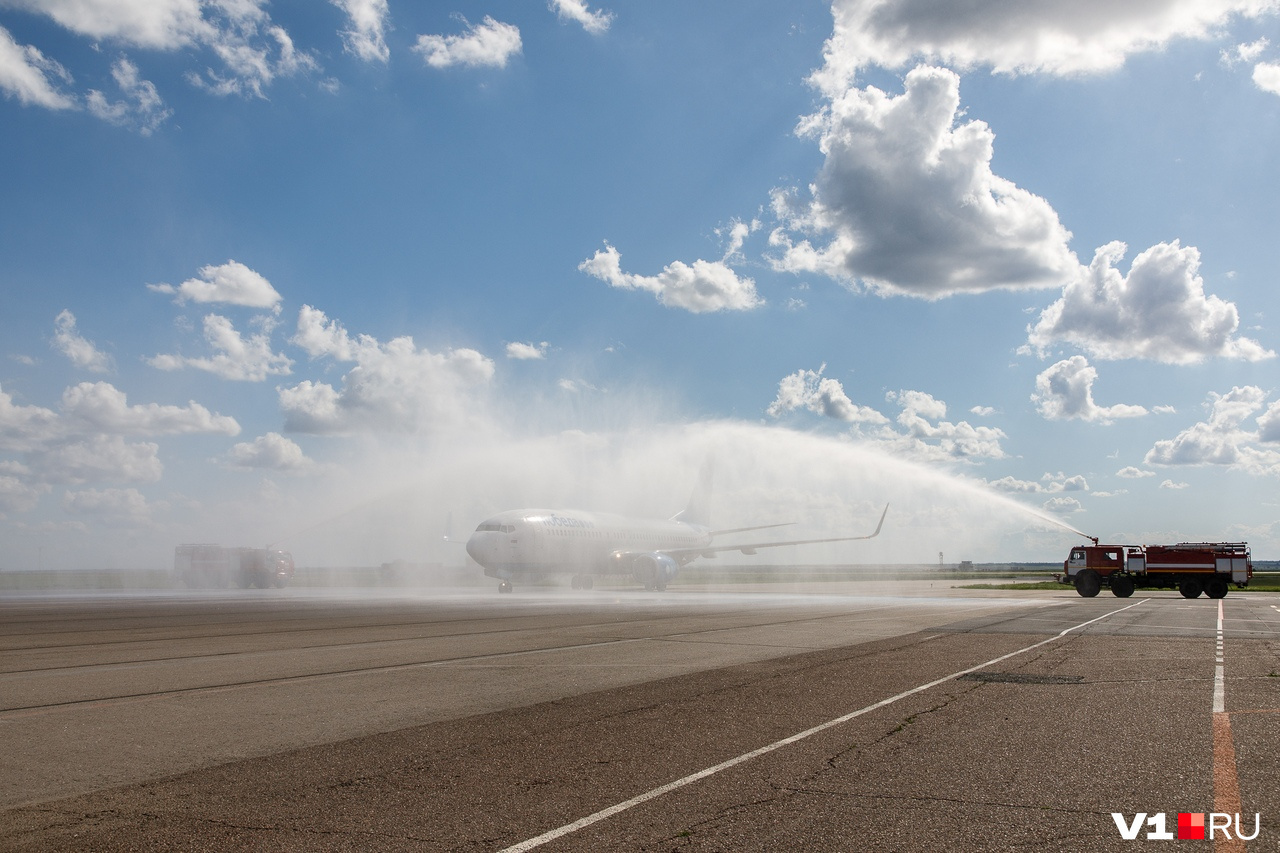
x=1219 y=681
x=1226 y=784
x=603 y=814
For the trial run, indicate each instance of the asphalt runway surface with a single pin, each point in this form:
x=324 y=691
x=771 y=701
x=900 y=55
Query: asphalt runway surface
x=845 y=717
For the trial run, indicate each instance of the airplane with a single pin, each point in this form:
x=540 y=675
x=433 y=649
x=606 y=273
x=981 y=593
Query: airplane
x=531 y=544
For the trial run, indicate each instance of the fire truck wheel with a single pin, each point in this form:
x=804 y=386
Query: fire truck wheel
x=1217 y=588
x=1190 y=589
x=1088 y=583
x=1122 y=587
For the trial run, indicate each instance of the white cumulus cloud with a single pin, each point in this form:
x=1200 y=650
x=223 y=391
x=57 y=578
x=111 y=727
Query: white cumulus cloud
x=908 y=203
x=924 y=434
x=1159 y=311
x=366 y=37
x=808 y=389
x=320 y=336
x=253 y=50
x=235 y=356
x=84 y=441
x=1224 y=438
x=1031 y=36
x=158 y=24
x=82 y=352
x=231 y=283
x=24 y=427
x=101 y=407
x=255 y=53
x=1269 y=424
x=576 y=10
x=118 y=505
x=1049 y=484
x=920 y=430
x=489 y=43
x=1065 y=391
x=26 y=74
x=1244 y=53
x=17 y=495
x=98 y=458
x=142 y=107
x=527 y=352
x=394 y=386
x=271 y=451
x=1266 y=76
x=703 y=287
x=1063 y=506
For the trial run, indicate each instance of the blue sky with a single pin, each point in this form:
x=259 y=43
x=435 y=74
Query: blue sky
x=321 y=274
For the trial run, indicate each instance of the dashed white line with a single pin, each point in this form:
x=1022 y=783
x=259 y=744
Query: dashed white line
x=1226 y=784
x=1219 y=681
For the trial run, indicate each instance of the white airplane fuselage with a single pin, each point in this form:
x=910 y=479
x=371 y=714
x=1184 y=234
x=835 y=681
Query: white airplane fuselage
x=535 y=543
x=531 y=544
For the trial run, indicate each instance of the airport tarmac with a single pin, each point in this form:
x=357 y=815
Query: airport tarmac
x=842 y=717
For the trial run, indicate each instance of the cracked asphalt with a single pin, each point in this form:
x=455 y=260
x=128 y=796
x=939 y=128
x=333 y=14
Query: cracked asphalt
x=1034 y=751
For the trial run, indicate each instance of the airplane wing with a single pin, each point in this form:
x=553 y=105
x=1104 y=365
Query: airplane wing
x=752 y=547
x=745 y=529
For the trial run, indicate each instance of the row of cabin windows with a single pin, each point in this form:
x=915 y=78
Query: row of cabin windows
x=666 y=542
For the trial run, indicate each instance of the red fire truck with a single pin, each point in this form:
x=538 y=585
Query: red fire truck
x=216 y=566
x=1189 y=567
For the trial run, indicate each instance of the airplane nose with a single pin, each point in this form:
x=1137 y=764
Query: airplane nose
x=473 y=548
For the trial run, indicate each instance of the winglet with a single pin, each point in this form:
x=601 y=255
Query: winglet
x=881 y=524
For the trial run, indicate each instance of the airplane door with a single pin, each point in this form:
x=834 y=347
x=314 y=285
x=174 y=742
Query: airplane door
x=513 y=548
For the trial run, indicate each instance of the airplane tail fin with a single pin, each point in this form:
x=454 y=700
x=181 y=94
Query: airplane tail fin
x=699 y=509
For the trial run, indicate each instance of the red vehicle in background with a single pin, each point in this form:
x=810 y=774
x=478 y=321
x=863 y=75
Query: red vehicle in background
x=203 y=566
x=1189 y=567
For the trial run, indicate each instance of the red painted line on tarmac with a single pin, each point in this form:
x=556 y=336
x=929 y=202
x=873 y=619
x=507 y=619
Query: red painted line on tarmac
x=1226 y=786
x=603 y=814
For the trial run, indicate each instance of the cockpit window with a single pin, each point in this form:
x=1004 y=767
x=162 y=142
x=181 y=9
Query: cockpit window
x=494 y=527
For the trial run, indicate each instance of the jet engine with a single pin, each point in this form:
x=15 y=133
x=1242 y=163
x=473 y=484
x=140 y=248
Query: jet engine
x=655 y=570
